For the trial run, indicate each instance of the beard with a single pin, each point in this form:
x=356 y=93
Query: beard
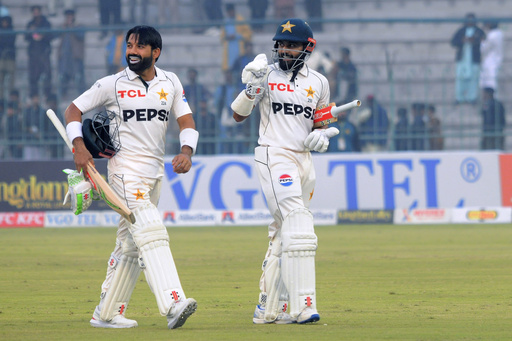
x=289 y=65
x=142 y=65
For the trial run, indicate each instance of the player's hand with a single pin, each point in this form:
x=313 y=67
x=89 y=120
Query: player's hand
x=80 y=191
x=81 y=155
x=254 y=75
x=181 y=163
x=318 y=139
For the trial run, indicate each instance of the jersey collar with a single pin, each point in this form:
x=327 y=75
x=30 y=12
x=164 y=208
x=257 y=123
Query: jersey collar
x=159 y=74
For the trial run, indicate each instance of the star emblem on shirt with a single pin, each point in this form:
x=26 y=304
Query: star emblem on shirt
x=310 y=91
x=139 y=195
x=287 y=27
x=163 y=94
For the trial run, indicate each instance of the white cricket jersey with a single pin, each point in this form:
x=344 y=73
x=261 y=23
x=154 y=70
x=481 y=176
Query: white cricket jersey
x=143 y=117
x=287 y=108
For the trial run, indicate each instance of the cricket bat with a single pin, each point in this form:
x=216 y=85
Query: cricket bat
x=330 y=114
x=95 y=178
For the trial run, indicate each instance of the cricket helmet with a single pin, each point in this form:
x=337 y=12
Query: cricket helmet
x=293 y=30
x=101 y=135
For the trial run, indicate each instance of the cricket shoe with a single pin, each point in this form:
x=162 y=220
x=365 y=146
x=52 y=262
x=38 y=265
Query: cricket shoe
x=259 y=317
x=181 y=312
x=119 y=321
x=308 y=315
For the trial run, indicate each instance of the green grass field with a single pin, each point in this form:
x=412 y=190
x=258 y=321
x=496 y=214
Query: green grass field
x=449 y=282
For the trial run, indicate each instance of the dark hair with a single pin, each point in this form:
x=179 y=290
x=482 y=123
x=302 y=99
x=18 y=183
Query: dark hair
x=146 y=35
x=489 y=91
x=345 y=50
x=402 y=111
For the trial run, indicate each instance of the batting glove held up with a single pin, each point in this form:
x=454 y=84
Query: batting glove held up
x=254 y=75
x=318 y=139
x=79 y=190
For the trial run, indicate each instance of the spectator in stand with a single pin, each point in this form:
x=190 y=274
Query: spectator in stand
x=402 y=130
x=110 y=14
x=207 y=126
x=373 y=126
x=7 y=57
x=194 y=91
x=242 y=61
x=52 y=136
x=418 y=127
x=435 y=135
x=233 y=37
x=213 y=10
x=348 y=138
x=34 y=131
x=224 y=95
x=491 y=49
x=71 y=55
x=39 y=52
x=466 y=42
x=345 y=75
x=258 y=13
x=314 y=12
x=284 y=9
x=493 y=121
x=12 y=130
x=116 y=52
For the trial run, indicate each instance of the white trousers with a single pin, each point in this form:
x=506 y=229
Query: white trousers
x=287 y=179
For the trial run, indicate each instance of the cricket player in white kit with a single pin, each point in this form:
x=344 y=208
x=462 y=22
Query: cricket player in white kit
x=144 y=99
x=288 y=93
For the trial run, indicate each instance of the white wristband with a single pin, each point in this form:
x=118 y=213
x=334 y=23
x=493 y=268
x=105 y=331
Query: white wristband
x=74 y=130
x=242 y=105
x=189 y=137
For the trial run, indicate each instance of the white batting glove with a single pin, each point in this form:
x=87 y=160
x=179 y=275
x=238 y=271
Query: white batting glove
x=79 y=190
x=318 y=139
x=254 y=75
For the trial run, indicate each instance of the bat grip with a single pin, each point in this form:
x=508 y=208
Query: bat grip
x=335 y=111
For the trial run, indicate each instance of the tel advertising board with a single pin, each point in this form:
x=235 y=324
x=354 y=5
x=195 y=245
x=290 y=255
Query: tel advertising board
x=346 y=181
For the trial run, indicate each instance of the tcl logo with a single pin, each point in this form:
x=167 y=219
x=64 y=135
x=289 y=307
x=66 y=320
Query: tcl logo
x=130 y=93
x=280 y=87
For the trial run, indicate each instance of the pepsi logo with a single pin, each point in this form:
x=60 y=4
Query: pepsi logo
x=285 y=180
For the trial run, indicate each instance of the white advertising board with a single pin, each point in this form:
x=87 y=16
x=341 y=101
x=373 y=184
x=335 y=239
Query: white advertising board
x=345 y=181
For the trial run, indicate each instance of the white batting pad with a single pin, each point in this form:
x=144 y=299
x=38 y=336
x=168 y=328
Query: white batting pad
x=155 y=258
x=298 y=259
x=273 y=285
x=115 y=301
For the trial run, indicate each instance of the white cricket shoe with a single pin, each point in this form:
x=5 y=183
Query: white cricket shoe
x=181 y=312
x=308 y=315
x=259 y=317
x=119 y=321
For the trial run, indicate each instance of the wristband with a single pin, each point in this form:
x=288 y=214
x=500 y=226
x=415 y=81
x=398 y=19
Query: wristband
x=242 y=105
x=74 y=130
x=189 y=137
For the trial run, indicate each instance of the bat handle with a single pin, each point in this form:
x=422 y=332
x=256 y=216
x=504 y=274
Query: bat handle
x=335 y=111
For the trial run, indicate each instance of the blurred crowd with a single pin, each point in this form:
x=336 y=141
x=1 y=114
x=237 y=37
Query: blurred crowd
x=26 y=134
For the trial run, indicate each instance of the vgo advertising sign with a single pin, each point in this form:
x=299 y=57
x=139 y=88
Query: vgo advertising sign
x=344 y=181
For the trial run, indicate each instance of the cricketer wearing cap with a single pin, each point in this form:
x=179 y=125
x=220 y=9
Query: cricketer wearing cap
x=288 y=93
x=144 y=99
